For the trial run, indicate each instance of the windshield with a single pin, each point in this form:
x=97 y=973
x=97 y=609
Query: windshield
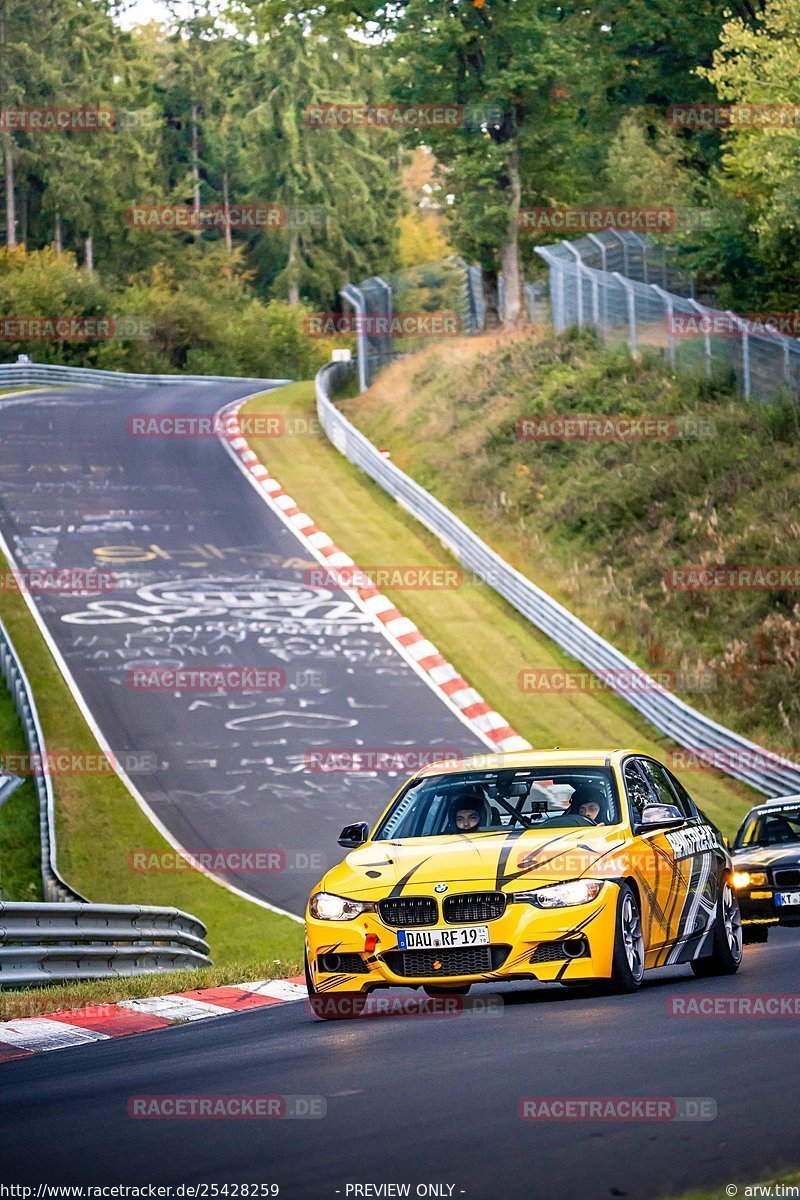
x=476 y=802
x=770 y=828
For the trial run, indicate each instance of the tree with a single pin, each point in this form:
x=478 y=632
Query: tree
x=504 y=63
x=348 y=177
x=759 y=64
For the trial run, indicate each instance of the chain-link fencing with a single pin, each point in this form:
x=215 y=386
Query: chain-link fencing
x=400 y=313
x=631 y=290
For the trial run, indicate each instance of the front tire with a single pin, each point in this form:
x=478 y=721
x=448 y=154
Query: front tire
x=726 y=952
x=627 y=964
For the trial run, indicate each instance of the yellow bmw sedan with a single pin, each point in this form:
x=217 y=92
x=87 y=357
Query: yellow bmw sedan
x=567 y=866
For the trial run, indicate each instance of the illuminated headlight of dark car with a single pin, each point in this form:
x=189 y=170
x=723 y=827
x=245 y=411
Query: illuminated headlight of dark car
x=326 y=907
x=561 y=895
x=749 y=879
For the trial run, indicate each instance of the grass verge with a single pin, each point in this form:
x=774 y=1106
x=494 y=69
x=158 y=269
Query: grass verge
x=486 y=639
x=600 y=523
x=39 y=1001
x=98 y=823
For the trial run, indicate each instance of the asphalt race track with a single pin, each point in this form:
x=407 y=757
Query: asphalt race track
x=431 y=1099
x=207 y=576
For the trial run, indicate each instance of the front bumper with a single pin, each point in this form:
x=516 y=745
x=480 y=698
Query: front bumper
x=523 y=932
x=758 y=907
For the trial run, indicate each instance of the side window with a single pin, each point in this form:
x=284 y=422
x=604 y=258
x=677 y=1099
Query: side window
x=685 y=802
x=638 y=787
x=661 y=786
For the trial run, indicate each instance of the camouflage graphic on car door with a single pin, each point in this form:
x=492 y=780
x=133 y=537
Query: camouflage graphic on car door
x=678 y=869
x=663 y=880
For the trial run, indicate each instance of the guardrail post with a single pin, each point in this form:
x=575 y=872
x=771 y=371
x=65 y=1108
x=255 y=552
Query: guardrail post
x=706 y=338
x=631 y=298
x=643 y=245
x=592 y=237
x=741 y=329
x=668 y=305
x=579 y=279
x=355 y=298
x=626 y=266
x=389 y=354
x=556 y=269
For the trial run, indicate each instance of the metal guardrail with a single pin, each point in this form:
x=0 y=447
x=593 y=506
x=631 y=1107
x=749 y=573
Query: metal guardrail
x=66 y=937
x=13 y=672
x=43 y=943
x=36 y=374
x=686 y=726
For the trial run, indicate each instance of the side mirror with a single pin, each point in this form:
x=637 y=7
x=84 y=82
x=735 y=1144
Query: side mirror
x=354 y=835
x=659 y=816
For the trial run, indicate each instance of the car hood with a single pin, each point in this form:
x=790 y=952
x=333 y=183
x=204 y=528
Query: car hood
x=768 y=856
x=492 y=860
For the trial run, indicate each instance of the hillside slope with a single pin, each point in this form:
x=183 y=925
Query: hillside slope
x=601 y=523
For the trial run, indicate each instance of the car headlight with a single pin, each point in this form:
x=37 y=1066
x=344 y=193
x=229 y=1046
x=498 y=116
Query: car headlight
x=326 y=907
x=746 y=879
x=562 y=895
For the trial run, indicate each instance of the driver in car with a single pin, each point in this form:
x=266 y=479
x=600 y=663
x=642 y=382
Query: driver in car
x=467 y=813
x=590 y=810
x=587 y=802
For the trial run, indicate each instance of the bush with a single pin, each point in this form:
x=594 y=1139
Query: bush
x=203 y=321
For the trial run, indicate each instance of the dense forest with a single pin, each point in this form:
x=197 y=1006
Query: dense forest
x=211 y=117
